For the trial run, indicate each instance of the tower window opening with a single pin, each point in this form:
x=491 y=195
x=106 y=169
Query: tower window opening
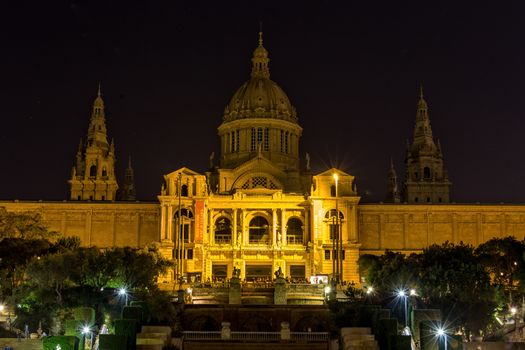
x=416 y=199
x=104 y=171
x=254 y=140
x=440 y=199
x=259 y=136
x=426 y=172
x=266 y=139
x=428 y=199
x=232 y=145
x=237 y=141
x=93 y=171
x=415 y=175
x=282 y=141
x=286 y=137
x=184 y=191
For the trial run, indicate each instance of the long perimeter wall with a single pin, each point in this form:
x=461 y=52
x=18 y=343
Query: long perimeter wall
x=111 y=224
x=410 y=228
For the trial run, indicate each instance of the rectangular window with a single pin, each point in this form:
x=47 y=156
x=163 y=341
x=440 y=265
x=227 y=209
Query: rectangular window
x=259 y=136
x=189 y=254
x=266 y=139
x=232 y=146
x=342 y=255
x=254 y=140
x=226 y=142
x=286 y=136
x=237 y=141
x=327 y=254
x=282 y=141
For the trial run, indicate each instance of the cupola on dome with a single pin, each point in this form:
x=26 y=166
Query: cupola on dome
x=260 y=97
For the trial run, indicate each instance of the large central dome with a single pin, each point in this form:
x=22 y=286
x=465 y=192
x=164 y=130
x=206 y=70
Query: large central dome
x=260 y=97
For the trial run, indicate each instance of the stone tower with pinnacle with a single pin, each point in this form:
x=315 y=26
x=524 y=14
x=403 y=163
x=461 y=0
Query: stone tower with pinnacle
x=128 y=187
x=426 y=179
x=393 y=193
x=93 y=176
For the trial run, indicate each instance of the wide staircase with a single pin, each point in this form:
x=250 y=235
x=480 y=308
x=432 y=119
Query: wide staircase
x=356 y=338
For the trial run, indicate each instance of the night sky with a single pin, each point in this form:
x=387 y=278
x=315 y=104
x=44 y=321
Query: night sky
x=352 y=70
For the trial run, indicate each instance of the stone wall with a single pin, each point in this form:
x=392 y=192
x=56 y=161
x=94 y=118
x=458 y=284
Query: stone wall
x=411 y=227
x=101 y=224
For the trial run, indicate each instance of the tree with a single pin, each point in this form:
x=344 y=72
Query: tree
x=502 y=258
x=26 y=225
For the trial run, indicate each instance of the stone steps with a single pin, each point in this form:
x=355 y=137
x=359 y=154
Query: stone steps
x=358 y=338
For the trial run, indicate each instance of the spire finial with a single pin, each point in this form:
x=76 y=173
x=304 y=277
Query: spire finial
x=260 y=33
x=98 y=93
x=129 y=161
x=391 y=163
x=421 y=91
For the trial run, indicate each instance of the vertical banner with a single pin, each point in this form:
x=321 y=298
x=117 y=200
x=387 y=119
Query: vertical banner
x=199 y=220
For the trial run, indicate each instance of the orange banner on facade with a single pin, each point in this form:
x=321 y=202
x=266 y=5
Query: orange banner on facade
x=199 y=220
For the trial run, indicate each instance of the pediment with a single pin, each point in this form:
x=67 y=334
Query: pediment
x=260 y=171
x=184 y=171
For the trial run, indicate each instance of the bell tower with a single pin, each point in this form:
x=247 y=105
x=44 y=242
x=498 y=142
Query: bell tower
x=426 y=179
x=93 y=176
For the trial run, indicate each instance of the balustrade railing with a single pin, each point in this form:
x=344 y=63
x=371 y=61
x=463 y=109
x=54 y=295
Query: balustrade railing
x=258 y=336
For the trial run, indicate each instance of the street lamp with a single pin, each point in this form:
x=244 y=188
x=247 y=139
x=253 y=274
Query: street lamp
x=338 y=239
x=442 y=334
x=402 y=294
x=123 y=292
x=86 y=331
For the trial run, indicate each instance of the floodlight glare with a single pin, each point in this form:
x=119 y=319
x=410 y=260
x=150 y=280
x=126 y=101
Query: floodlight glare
x=412 y=292
x=2 y=307
x=85 y=330
x=440 y=332
x=401 y=293
x=327 y=289
x=122 y=291
x=369 y=290
x=513 y=310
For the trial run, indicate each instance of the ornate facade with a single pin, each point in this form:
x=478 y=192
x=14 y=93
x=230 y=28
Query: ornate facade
x=259 y=209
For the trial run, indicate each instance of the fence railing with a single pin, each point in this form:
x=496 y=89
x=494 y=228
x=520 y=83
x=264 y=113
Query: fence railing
x=257 y=336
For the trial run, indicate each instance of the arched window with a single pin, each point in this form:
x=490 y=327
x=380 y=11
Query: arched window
x=258 y=230
x=294 y=231
x=184 y=191
x=426 y=172
x=104 y=172
x=223 y=230
x=93 y=171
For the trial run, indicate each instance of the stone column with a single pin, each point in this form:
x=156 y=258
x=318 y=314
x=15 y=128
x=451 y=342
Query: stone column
x=163 y=222
x=274 y=227
x=169 y=224
x=245 y=239
x=283 y=227
x=306 y=232
x=211 y=227
x=234 y=238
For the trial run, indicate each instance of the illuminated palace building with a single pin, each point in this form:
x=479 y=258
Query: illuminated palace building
x=260 y=207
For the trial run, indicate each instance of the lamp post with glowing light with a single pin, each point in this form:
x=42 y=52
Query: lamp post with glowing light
x=123 y=292
x=442 y=334
x=402 y=294
x=337 y=235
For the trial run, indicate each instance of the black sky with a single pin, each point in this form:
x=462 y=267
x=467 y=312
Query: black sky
x=352 y=70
